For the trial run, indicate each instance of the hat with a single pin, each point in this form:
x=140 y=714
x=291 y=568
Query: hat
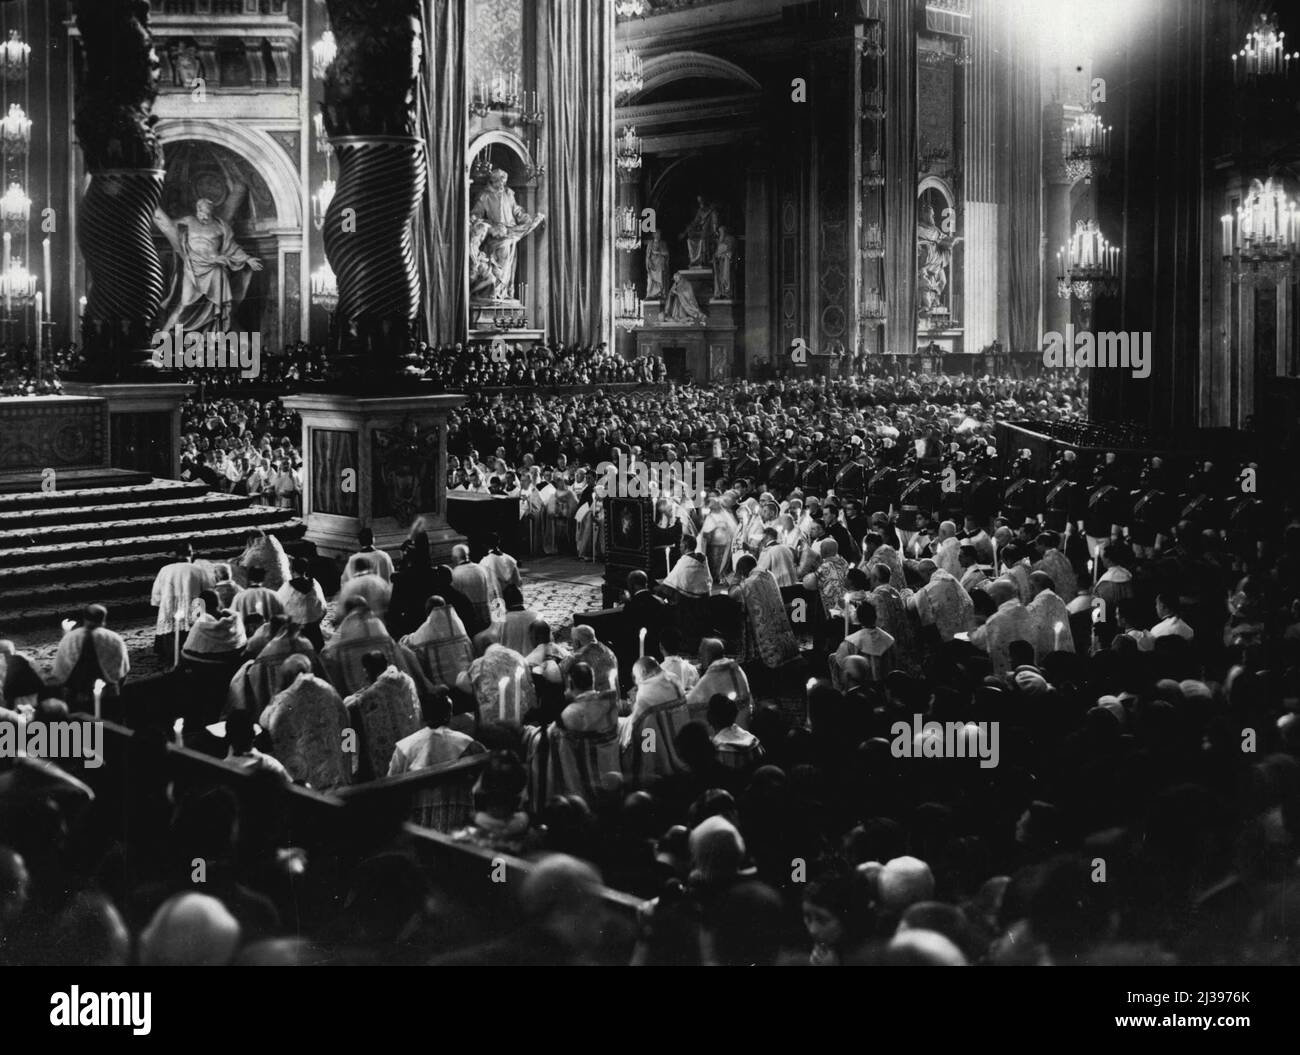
x=1029 y=681
x=717 y=850
x=190 y=930
x=904 y=881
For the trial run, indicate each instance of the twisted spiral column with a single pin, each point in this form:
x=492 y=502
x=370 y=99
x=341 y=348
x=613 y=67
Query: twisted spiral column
x=115 y=233
x=370 y=243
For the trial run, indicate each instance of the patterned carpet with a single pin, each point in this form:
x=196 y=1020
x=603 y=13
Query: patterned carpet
x=554 y=586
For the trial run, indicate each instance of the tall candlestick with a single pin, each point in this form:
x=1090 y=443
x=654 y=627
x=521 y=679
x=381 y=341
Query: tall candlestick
x=40 y=310
x=641 y=636
x=180 y=614
x=519 y=692
x=49 y=289
x=99 y=692
x=502 y=686
x=846 y=615
x=1058 y=628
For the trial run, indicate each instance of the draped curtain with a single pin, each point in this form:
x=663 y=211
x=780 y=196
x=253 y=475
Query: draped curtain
x=579 y=161
x=900 y=178
x=444 y=122
x=1022 y=149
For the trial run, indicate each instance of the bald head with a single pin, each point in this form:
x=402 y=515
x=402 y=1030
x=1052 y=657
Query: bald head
x=1002 y=591
x=857 y=670
x=711 y=650
x=1040 y=581
x=460 y=553
x=947 y=530
x=583 y=636
x=292 y=667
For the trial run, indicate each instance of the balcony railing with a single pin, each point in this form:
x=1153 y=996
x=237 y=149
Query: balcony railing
x=237 y=8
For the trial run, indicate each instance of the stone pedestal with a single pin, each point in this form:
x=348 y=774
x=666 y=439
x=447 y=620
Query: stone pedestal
x=377 y=462
x=144 y=423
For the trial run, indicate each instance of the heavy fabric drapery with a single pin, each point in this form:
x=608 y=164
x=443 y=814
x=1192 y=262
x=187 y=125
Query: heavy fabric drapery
x=1022 y=147
x=900 y=179
x=444 y=119
x=579 y=138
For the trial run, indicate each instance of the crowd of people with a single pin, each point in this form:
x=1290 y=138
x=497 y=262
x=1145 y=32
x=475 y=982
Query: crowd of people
x=897 y=697
x=245 y=447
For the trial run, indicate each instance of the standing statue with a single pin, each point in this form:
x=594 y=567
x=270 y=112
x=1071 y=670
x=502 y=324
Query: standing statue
x=507 y=225
x=934 y=261
x=484 y=272
x=723 y=258
x=656 y=267
x=701 y=233
x=681 y=305
x=215 y=270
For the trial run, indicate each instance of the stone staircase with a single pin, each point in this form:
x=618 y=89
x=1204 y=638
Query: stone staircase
x=103 y=535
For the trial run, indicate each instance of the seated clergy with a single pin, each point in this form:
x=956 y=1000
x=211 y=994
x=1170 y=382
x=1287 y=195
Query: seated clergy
x=653 y=687
x=719 y=674
x=360 y=632
x=943 y=604
x=256 y=682
x=477 y=585
x=874 y=645
x=649 y=734
x=596 y=654
x=90 y=653
x=448 y=805
x=384 y=712
x=515 y=629
x=368 y=584
x=767 y=636
x=582 y=746
x=1051 y=618
x=255 y=598
x=441 y=644
x=502 y=685
x=306 y=720
x=1010 y=622
x=690 y=575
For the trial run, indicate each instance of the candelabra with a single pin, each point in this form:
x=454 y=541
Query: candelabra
x=873 y=103
x=874 y=170
x=17 y=284
x=322 y=54
x=320 y=202
x=531 y=112
x=628 y=238
x=14 y=55
x=323 y=144
x=509 y=318
x=1087 y=267
x=15 y=208
x=16 y=131
x=629 y=8
x=629 y=311
x=873 y=304
x=1267 y=229
x=482 y=167
x=628 y=74
x=1264 y=54
x=325 y=287
x=964 y=56
x=873 y=41
x=628 y=157
x=873 y=243
x=1086 y=147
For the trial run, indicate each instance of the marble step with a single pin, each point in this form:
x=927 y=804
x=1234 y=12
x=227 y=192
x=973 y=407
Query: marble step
x=120 y=512
x=65 y=496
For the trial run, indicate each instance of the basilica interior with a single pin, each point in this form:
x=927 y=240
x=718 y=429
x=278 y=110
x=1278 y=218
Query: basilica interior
x=546 y=453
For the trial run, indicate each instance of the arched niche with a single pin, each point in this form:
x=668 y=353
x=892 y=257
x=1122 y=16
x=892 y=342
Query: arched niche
x=503 y=149
x=686 y=72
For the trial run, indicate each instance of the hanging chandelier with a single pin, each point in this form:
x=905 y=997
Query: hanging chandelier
x=1087 y=267
x=324 y=287
x=629 y=312
x=17 y=284
x=628 y=74
x=16 y=131
x=14 y=54
x=629 y=8
x=320 y=202
x=1086 y=147
x=323 y=144
x=628 y=238
x=1267 y=231
x=15 y=207
x=628 y=157
x=322 y=54
x=1264 y=54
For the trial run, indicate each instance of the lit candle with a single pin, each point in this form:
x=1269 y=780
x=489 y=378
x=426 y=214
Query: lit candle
x=99 y=693
x=180 y=614
x=519 y=691
x=40 y=314
x=641 y=636
x=1058 y=628
x=177 y=726
x=846 y=615
x=502 y=686
x=45 y=257
x=995 y=558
